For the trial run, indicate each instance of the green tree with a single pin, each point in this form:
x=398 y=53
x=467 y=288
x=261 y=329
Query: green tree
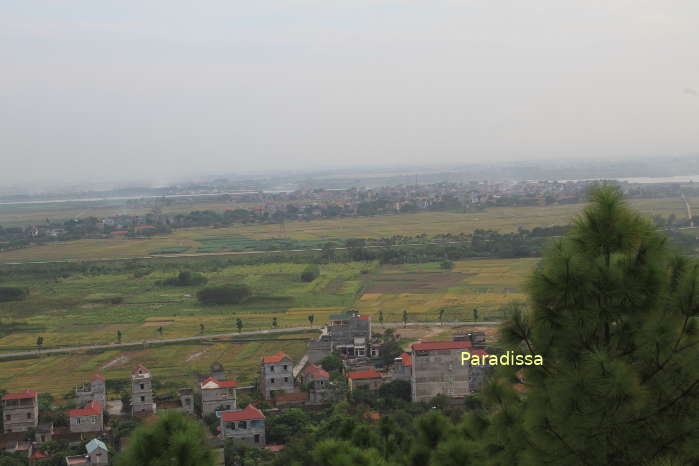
x=118 y=335
x=310 y=273
x=201 y=329
x=381 y=317
x=239 y=324
x=405 y=319
x=613 y=313
x=331 y=362
x=475 y=314
x=160 y=331
x=225 y=294
x=40 y=342
x=441 y=317
x=173 y=439
x=274 y=322
x=311 y=318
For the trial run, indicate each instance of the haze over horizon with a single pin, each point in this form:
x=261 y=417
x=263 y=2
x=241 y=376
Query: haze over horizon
x=163 y=90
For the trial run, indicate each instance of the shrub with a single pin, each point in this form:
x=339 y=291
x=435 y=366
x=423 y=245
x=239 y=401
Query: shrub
x=13 y=293
x=310 y=273
x=225 y=294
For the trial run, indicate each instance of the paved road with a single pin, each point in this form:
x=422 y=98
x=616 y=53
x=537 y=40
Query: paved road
x=72 y=349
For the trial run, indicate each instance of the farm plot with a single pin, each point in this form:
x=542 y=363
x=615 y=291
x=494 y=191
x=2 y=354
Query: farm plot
x=423 y=290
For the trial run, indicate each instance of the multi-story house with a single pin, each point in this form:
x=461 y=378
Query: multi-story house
x=246 y=425
x=218 y=395
x=87 y=419
x=276 y=375
x=141 y=392
x=437 y=369
x=349 y=334
x=369 y=378
x=93 y=391
x=317 y=383
x=20 y=411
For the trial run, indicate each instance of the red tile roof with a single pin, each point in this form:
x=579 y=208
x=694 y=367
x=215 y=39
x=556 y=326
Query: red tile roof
x=441 y=345
x=315 y=371
x=367 y=374
x=28 y=393
x=275 y=358
x=248 y=414
x=364 y=318
x=220 y=383
x=407 y=359
x=274 y=448
x=38 y=455
x=141 y=366
x=98 y=377
x=91 y=409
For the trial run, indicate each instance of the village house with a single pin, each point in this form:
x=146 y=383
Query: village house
x=141 y=392
x=90 y=418
x=402 y=367
x=217 y=371
x=276 y=375
x=317 y=383
x=95 y=390
x=217 y=395
x=246 y=425
x=369 y=378
x=349 y=334
x=43 y=432
x=20 y=411
x=97 y=454
x=437 y=369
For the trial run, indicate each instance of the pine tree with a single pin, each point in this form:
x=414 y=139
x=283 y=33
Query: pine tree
x=613 y=313
x=173 y=439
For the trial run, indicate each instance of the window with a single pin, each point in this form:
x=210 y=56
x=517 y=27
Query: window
x=143 y=386
x=8 y=417
x=257 y=438
x=77 y=420
x=271 y=380
x=94 y=419
x=143 y=399
x=242 y=425
x=286 y=379
x=271 y=368
x=29 y=415
x=286 y=368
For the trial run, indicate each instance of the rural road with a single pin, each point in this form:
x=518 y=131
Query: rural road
x=73 y=349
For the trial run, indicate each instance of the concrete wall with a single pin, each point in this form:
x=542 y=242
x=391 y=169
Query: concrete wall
x=20 y=415
x=213 y=398
x=275 y=377
x=439 y=371
x=253 y=430
x=86 y=423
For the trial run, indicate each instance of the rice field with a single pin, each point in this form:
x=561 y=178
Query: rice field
x=503 y=219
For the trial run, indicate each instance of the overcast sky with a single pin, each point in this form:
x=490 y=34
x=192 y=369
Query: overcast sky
x=155 y=89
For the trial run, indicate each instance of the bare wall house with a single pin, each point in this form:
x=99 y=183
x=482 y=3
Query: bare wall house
x=141 y=392
x=87 y=419
x=95 y=390
x=217 y=395
x=245 y=425
x=20 y=411
x=276 y=375
x=437 y=369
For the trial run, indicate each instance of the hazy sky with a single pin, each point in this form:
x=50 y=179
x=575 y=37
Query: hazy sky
x=158 y=88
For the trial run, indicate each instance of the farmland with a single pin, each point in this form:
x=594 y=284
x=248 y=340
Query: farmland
x=503 y=219
x=82 y=309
